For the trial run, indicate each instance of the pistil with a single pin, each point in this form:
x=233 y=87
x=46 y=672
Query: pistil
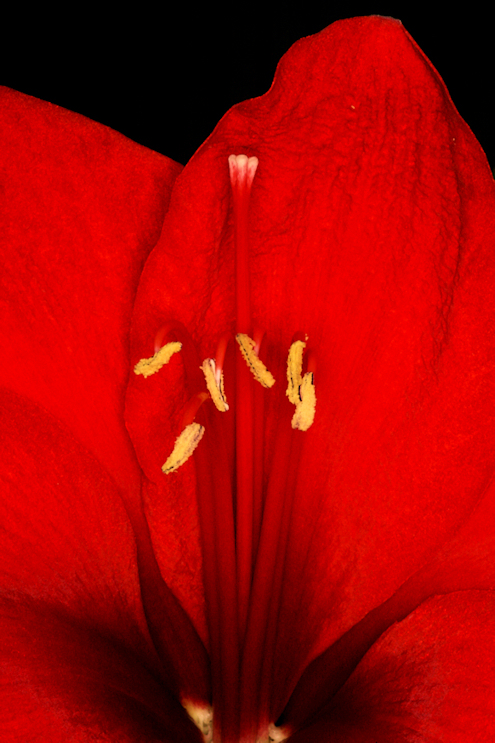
x=242 y=171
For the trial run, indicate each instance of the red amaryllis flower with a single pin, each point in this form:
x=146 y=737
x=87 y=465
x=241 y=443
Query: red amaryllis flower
x=328 y=579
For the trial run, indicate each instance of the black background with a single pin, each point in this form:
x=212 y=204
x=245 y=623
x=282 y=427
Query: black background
x=164 y=77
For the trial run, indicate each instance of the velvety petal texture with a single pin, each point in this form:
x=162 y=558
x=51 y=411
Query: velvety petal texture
x=81 y=208
x=76 y=656
x=429 y=678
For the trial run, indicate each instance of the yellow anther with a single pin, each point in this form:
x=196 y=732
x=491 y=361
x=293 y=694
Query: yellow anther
x=306 y=407
x=300 y=390
x=259 y=370
x=184 y=446
x=214 y=383
x=294 y=371
x=147 y=367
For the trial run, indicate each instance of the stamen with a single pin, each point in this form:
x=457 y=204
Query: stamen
x=184 y=446
x=147 y=367
x=300 y=390
x=259 y=370
x=214 y=383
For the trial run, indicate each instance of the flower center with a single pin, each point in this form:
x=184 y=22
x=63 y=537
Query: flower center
x=244 y=511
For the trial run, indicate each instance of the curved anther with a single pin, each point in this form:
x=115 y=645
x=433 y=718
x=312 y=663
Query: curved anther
x=301 y=389
x=147 y=367
x=214 y=383
x=184 y=446
x=294 y=371
x=257 y=367
x=191 y=435
x=163 y=351
x=305 y=409
x=213 y=371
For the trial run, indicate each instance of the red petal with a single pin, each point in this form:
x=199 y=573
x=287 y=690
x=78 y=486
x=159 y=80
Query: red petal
x=69 y=554
x=63 y=680
x=466 y=562
x=81 y=208
x=372 y=230
x=67 y=541
x=430 y=677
